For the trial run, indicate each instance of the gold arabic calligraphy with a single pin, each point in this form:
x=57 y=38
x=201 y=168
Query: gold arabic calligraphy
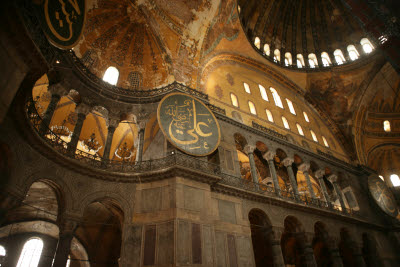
x=69 y=18
x=185 y=121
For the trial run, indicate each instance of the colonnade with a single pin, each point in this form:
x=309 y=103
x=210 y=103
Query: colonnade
x=304 y=168
x=57 y=91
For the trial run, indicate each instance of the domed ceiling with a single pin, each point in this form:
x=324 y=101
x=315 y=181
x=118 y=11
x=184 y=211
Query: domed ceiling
x=300 y=26
x=151 y=43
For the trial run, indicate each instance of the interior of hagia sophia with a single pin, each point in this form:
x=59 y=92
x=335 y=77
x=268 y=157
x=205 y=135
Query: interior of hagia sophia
x=320 y=76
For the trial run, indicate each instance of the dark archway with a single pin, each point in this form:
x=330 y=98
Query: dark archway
x=370 y=252
x=346 y=248
x=293 y=243
x=261 y=237
x=320 y=243
x=101 y=232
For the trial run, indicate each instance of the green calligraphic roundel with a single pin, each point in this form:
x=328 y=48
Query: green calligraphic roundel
x=61 y=20
x=382 y=195
x=188 y=124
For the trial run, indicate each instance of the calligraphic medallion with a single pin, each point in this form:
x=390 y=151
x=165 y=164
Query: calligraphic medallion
x=188 y=124
x=382 y=195
x=61 y=20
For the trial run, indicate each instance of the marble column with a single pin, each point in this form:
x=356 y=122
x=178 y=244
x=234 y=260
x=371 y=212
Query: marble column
x=334 y=251
x=333 y=179
x=67 y=228
x=130 y=245
x=82 y=110
x=141 y=127
x=320 y=176
x=112 y=125
x=304 y=169
x=276 y=247
x=288 y=164
x=57 y=91
x=249 y=150
x=309 y=256
x=357 y=255
x=269 y=157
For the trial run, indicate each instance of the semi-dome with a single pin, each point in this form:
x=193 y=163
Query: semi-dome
x=304 y=34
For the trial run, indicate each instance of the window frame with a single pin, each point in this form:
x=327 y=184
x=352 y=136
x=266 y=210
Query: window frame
x=270 y=117
x=22 y=260
x=254 y=106
x=300 y=129
x=109 y=76
x=314 y=136
x=276 y=97
x=247 y=88
x=263 y=92
x=237 y=100
x=291 y=106
x=285 y=123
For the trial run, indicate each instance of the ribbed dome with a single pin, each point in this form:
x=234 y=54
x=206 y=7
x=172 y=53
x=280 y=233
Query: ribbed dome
x=300 y=27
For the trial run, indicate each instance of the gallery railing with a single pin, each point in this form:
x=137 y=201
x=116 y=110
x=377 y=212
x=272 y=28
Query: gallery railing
x=173 y=159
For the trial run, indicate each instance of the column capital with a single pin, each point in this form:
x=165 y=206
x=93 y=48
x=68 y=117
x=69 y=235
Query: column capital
x=319 y=174
x=141 y=124
x=333 y=178
x=249 y=149
x=304 y=167
x=288 y=162
x=83 y=108
x=112 y=122
x=67 y=224
x=269 y=155
x=57 y=89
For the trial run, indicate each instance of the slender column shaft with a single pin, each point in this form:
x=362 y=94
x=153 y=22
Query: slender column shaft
x=358 y=257
x=140 y=145
x=309 y=256
x=320 y=175
x=107 y=148
x=277 y=253
x=253 y=169
x=48 y=115
x=72 y=145
x=309 y=185
x=288 y=164
x=339 y=193
x=274 y=177
x=336 y=259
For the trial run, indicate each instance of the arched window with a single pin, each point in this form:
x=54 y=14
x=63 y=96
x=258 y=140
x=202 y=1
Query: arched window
x=111 y=75
x=269 y=115
x=325 y=141
x=239 y=9
x=2 y=253
x=285 y=122
x=339 y=58
x=326 y=61
x=300 y=61
x=366 y=45
x=380 y=176
x=312 y=60
x=252 y=108
x=277 y=55
x=395 y=180
x=263 y=92
x=267 y=50
x=246 y=88
x=277 y=98
x=257 y=42
x=314 y=136
x=386 y=126
x=306 y=116
x=234 y=100
x=353 y=53
x=31 y=253
x=299 y=129
x=288 y=59
x=291 y=107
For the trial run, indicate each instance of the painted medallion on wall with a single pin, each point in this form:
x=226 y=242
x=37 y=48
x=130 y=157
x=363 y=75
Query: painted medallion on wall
x=382 y=195
x=188 y=124
x=61 y=20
